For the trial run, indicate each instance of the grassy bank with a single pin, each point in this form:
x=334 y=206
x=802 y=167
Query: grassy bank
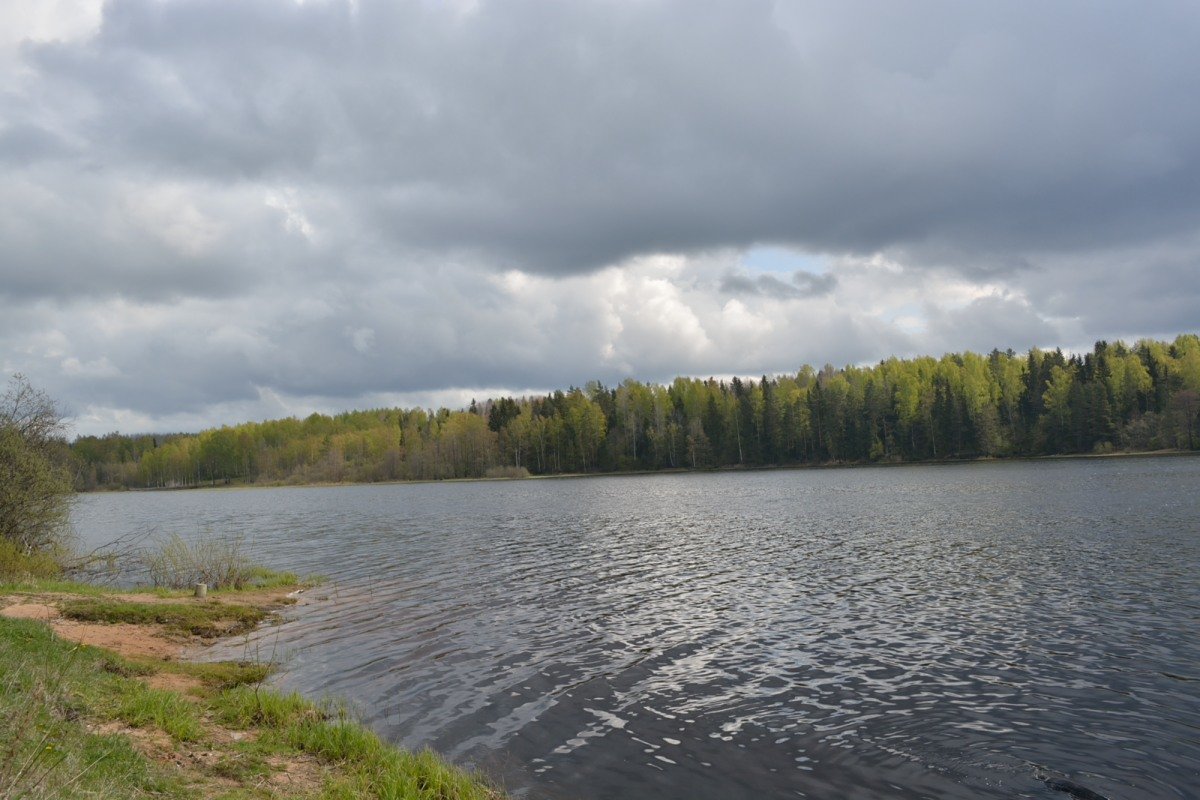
x=135 y=720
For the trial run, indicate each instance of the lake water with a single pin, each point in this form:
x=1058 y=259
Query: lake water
x=934 y=631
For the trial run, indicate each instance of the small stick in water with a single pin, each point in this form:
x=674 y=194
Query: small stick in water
x=1074 y=789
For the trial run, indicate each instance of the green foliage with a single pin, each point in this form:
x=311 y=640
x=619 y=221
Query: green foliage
x=962 y=405
x=35 y=487
x=199 y=619
x=16 y=564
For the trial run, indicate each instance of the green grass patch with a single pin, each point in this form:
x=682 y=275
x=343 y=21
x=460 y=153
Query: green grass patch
x=370 y=768
x=263 y=578
x=127 y=668
x=165 y=710
x=249 y=706
x=221 y=675
x=200 y=619
x=47 y=689
x=259 y=578
x=335 y=741
x=243 y=767
x=215 y=675
x=53 y=694
x=28 y=585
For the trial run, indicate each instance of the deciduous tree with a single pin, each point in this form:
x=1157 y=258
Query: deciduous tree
x=35 y=486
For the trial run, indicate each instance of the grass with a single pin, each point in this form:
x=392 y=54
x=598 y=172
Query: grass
x=219 y=675
x=381 y=772
x=78 y=721
x=246 y=706
x=259 y=578
x=27 y=585
x=198 y=619
x=46 y=750
x=167 y=711
x=371 y=768
x=263 y=578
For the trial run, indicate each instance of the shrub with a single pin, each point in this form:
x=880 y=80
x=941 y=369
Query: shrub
x=219 y=562
x=35 y=488
x=17 y=565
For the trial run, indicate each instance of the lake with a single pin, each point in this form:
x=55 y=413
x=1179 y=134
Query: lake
x=955 y=631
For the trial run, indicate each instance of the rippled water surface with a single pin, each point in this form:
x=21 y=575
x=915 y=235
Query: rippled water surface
x=941 y=631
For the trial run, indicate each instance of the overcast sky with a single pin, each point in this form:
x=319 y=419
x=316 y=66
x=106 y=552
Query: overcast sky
x=221 y=210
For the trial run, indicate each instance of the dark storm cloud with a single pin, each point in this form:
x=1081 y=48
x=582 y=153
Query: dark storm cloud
x=209 y=202
x=564 y=136
x=68 y=230
x=1125 y=292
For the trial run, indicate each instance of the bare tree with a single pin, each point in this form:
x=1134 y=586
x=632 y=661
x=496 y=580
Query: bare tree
x=31 y=413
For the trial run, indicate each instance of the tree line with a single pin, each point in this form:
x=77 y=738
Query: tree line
x=1002 y=404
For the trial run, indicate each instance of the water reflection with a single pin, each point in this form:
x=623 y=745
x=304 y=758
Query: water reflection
x=921 y=632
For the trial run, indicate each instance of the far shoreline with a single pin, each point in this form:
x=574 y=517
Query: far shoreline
x=225 y=485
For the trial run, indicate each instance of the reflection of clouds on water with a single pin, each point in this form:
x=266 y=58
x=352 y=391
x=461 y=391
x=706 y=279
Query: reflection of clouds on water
x=926 y=631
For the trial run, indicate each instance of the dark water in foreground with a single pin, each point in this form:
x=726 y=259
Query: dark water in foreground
x=949 y=631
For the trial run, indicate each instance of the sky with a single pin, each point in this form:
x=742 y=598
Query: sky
x=215 y=211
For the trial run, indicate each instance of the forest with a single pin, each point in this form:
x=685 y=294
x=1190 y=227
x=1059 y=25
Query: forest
x=960 y=406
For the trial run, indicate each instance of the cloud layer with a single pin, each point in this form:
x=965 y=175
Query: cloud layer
x=216 y=209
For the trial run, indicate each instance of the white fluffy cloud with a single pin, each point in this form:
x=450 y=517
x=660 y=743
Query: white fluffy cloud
x=225 y=209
